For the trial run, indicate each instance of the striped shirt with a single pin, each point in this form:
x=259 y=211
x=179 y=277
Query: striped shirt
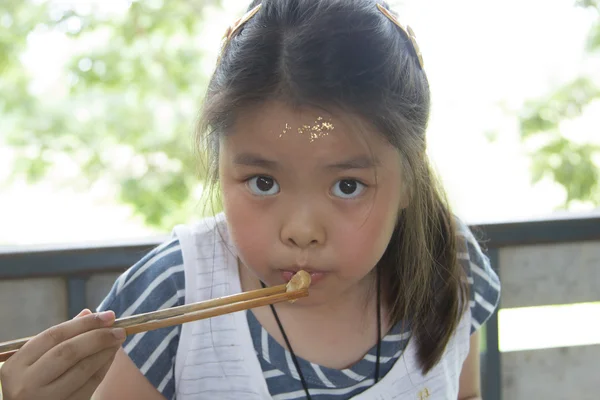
x=157 y=281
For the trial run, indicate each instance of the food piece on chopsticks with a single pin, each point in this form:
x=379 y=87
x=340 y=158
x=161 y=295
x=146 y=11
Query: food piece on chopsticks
x=299 y=281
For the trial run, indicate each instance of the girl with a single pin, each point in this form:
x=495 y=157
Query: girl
x=315 y=123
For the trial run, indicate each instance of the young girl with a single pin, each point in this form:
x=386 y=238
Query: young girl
x=315 y=123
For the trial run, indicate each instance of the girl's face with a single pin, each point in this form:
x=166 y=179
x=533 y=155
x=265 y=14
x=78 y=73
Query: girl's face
x=304 y=189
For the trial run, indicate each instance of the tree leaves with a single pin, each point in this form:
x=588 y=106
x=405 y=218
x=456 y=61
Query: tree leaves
x=593 y=41
x=130 y=103
x=568 y=163
x=588 y=4
x=567 y=102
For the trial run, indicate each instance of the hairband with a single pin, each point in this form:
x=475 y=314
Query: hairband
x=408 y=32
x=233 y=28
x=238 y=24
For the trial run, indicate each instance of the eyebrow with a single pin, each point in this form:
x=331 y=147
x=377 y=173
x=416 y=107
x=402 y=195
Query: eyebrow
x=360 y=162
x=254 y=160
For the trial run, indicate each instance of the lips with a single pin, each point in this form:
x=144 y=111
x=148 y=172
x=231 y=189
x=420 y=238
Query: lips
x=315 y=275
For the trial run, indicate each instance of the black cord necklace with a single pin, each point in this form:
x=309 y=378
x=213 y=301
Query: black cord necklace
x=295 y=360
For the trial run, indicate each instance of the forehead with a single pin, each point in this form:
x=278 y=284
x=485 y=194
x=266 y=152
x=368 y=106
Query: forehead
x=277 y=127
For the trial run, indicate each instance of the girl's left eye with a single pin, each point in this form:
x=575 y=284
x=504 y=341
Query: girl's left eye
x=348 y=188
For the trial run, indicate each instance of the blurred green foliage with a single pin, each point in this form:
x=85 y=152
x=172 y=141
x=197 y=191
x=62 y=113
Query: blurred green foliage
x=131 y=100
x=124 y=113
x=568 y=162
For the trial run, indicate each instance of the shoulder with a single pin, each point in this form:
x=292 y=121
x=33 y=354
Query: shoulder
x=155 y=280
x=484 y=284
x=206 y=228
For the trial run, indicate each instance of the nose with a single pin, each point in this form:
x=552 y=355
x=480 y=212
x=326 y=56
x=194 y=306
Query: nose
x=303 y=229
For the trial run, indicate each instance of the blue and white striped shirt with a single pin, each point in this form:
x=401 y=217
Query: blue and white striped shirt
x=157 y=281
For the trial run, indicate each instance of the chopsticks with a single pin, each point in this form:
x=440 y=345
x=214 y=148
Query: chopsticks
x=192 y=312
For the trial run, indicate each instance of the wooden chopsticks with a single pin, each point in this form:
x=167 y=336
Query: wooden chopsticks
x=190 y=312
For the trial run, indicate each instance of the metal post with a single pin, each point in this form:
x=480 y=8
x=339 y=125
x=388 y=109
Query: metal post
x=76 y=295
x=492 y=389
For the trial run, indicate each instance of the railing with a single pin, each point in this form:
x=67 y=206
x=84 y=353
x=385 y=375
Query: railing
x=41 y=286
x=522 y=253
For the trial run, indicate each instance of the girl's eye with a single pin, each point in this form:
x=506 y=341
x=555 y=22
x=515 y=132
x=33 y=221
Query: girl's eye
x=263 y=186
x=348 y=188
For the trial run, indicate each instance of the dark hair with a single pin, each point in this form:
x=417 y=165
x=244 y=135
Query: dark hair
x=345 y=54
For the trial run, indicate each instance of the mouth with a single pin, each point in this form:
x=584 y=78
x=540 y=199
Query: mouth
x=315 y=275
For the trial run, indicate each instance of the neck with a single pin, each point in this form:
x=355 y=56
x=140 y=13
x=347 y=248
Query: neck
x=335 y=334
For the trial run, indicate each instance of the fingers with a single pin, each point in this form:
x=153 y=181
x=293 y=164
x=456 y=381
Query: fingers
x=87 y=390
x=66 y=355
x=83 y=312
x=68 y=358
x=81 y=380
x=22 y=357
x=40 y=344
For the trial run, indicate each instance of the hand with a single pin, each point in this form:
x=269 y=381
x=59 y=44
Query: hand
x=66 y=362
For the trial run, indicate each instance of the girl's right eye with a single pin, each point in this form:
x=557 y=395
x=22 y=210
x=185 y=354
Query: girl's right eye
x=263 y=186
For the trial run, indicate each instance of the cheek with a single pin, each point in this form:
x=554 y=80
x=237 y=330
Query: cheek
x=364 y=246
x=248 y=228
x=362 y=243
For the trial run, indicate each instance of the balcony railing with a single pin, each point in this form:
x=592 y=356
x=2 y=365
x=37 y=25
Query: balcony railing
x=541 y=262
